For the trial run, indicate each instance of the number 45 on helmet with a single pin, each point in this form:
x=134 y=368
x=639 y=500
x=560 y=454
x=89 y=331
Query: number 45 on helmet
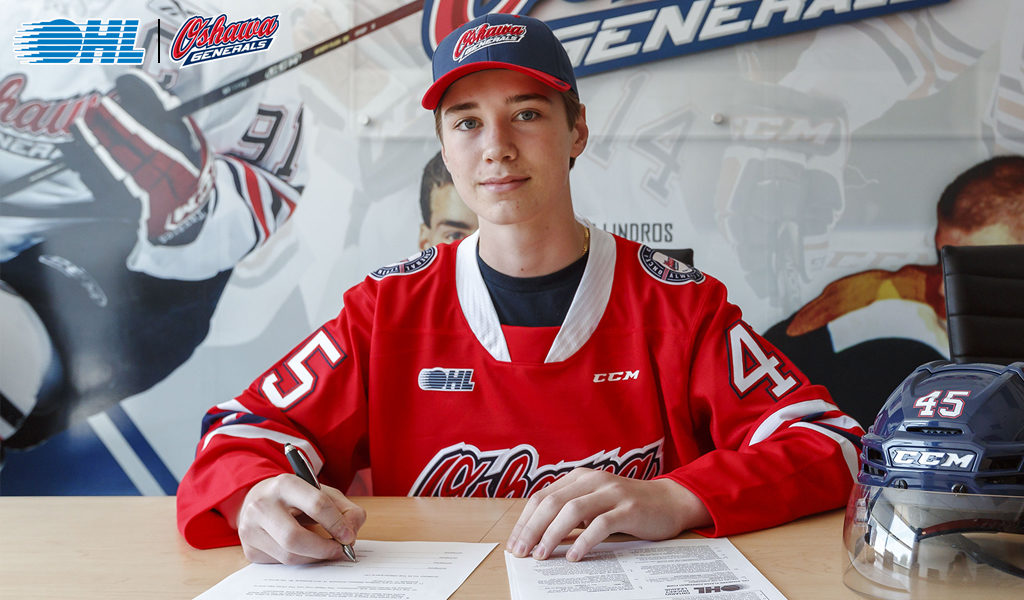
x=938 y=509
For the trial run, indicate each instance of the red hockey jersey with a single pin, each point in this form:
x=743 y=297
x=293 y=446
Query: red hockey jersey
x=652 y=373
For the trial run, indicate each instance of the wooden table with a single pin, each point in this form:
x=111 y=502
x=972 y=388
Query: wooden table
x=129 y=547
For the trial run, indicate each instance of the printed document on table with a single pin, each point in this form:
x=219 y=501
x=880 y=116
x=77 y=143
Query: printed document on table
x=398 y=570
x=705 y=568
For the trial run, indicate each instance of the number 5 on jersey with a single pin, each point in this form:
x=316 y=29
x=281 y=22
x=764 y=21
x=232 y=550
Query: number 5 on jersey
x=750 y=364
x=301 y=373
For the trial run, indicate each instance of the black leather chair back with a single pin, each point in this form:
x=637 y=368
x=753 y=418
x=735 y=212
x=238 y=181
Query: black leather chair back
x=984 y=302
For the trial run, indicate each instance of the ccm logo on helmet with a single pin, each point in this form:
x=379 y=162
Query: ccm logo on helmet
x=908 y=457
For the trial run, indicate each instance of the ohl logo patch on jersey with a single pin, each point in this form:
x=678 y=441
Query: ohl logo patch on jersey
x=203 y=38
x=94 y=41
x=446 y=380
x=416 y=262
x=667 y=269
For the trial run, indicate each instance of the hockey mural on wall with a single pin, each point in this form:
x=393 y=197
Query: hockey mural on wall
x=177 y=252
x=116 y=249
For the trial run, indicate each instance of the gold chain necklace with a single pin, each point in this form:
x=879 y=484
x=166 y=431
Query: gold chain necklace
x=586 y=240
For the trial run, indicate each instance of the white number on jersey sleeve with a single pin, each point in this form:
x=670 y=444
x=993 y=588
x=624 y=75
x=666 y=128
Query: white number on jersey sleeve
x=750 y=364
x=306 y=379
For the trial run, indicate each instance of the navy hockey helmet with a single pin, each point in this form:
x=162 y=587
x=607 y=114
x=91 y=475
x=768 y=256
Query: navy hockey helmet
x=950 y=428
x=938 y=509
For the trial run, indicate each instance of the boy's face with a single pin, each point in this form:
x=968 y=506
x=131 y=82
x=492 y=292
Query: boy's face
x=506 y=141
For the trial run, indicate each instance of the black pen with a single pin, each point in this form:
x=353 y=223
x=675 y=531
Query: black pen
x=303 y=470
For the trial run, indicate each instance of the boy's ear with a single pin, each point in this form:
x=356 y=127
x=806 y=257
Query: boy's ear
x=582 y=133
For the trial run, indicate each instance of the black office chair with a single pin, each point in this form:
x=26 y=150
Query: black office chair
x=984 y=302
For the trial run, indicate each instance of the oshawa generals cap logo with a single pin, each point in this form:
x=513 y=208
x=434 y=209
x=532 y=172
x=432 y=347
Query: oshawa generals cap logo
x=486 y=35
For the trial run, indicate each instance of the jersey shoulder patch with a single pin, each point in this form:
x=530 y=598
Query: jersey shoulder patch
x=416 y=262
x=666 y=269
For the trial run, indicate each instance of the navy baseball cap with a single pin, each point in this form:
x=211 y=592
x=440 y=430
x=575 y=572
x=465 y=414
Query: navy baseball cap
x=500 y=41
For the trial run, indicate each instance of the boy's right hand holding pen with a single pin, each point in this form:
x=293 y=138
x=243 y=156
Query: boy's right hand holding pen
x=302 y=468
x=268 y=525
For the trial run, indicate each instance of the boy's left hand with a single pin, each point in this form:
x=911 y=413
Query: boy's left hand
x=603 y=504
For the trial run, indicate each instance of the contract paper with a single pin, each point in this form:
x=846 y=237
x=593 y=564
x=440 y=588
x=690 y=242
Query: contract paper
x=394 y=570
x=705 y=568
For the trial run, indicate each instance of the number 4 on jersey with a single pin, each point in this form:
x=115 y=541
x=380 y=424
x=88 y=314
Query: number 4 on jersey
x=750 y=364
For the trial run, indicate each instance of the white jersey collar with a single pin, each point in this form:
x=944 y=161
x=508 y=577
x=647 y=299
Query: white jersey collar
x=585 y=312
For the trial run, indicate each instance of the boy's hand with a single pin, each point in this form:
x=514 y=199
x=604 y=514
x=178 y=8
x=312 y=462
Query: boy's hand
x=603 y=504
x=269 y=521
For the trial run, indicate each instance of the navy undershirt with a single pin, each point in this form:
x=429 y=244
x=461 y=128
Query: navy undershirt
x=533 y=301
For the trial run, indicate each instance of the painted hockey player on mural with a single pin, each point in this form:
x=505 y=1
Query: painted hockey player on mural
x=112 y=269
x=872 y=324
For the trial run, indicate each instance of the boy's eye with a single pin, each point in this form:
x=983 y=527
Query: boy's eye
x=467 y=124
x=528 y=115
